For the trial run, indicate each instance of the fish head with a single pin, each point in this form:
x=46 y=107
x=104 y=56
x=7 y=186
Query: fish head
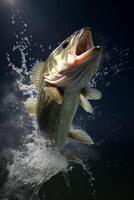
x=74 y=60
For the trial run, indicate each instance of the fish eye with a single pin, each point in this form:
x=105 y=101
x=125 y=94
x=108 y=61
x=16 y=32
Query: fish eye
x=65 y=44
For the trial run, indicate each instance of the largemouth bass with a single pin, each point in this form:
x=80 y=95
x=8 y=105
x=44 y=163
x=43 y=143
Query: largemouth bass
x=62 y=84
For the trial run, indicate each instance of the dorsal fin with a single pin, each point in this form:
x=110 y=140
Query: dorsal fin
x=38 y=73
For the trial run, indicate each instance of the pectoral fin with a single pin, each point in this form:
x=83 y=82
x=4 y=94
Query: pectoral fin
x=54 y=94
x=91 y=93
x=80 y=136
x=85 y=104
x=31 y=106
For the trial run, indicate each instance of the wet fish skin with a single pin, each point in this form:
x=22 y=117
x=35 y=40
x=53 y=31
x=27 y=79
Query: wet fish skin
x=68 y=70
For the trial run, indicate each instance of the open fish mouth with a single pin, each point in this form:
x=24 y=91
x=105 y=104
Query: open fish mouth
x=85 y=41
x=85 y=48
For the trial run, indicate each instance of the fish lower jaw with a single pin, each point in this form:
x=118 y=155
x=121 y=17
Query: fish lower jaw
x=89 y=54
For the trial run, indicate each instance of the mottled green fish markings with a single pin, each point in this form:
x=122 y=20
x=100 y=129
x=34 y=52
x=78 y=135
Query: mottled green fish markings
x=62 y=84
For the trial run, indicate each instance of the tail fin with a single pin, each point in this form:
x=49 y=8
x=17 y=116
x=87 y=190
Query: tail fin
x=66 y=177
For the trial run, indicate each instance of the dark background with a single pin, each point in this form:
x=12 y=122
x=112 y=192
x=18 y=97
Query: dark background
x=50 y=22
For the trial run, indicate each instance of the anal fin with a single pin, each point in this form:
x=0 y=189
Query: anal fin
x=80 y=136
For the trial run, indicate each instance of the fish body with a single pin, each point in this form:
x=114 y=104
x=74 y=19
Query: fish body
x=61 y=84
x=55 y=119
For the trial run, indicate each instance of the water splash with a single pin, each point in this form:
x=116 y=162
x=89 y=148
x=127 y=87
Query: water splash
x=112 y=63
x=32 y=162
